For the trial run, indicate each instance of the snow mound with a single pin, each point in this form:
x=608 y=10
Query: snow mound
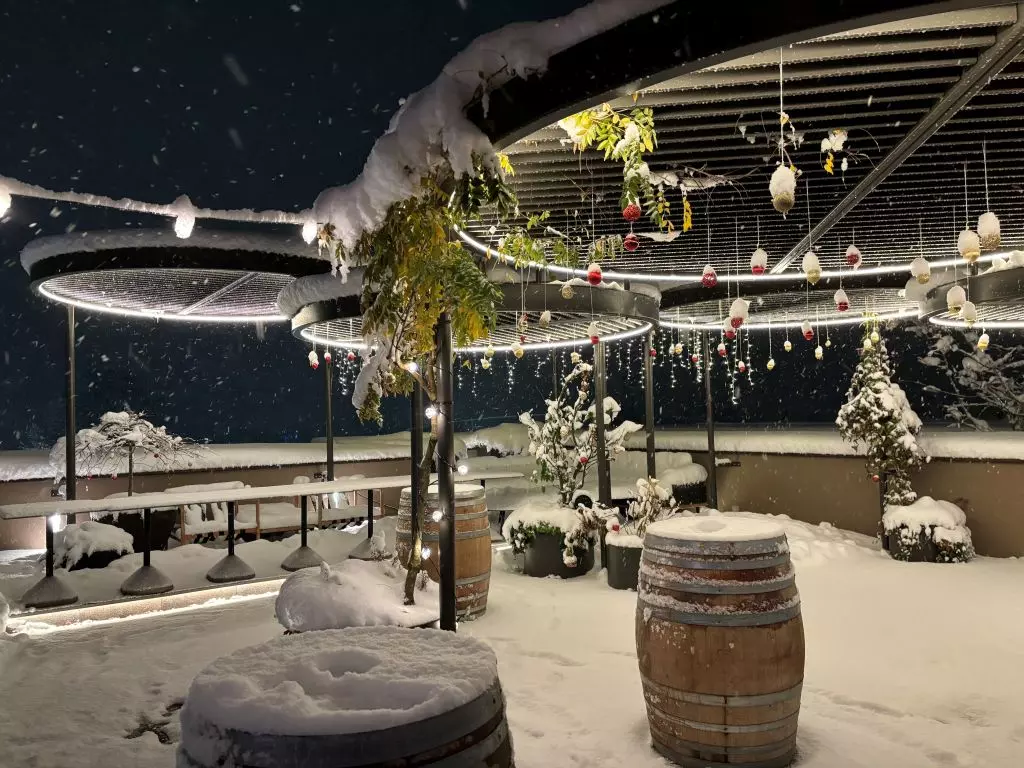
x=81 y=540
x=540 y=511
x=716 y=528
x=625 y=540
x=509 y=439
x=942 y=520
x=356 y=593
x=337 y=682
x=5 y=614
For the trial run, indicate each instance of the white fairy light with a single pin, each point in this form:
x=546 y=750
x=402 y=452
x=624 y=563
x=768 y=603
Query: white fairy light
x=430 y=411
x=309 y=230
x=463 y=469
x=436 y=516
x=425 y=552
x=411 y=366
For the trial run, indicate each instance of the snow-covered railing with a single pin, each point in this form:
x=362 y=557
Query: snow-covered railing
x=51 y=592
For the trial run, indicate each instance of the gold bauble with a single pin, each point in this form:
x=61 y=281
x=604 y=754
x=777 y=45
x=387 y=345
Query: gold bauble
x=784 y=202
x=567 y=291
x=922 y=279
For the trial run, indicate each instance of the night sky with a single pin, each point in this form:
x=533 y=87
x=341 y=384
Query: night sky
x=260 y=104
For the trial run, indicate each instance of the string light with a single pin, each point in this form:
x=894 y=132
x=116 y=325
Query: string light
x=309 y=230
x=430 y=411
x=436 y=517
x=425 y=551
x=463 y=469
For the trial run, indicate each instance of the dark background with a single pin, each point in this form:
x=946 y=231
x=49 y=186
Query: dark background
x=263 y=104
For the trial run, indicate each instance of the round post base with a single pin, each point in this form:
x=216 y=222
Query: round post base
x=230 y=568
x=49 y=592
x=303 y=557
x=147 y=580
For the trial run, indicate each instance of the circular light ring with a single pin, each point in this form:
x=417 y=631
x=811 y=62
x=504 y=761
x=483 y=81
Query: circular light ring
x=998 y=297
x=736 y=278
x=192 y=284
x=619 y=314
x=791 y=309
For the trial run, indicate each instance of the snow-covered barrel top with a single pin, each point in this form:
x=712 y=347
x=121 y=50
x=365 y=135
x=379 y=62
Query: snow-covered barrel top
x=715 y=528
x=347 y=698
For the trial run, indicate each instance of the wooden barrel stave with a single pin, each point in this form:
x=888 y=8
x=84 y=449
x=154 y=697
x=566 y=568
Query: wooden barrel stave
x=472 y=547
x=721 y=651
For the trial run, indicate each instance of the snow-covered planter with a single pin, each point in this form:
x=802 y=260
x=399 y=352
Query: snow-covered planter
x=929 y=530
x=624 y=542
x=554 y=539
x=90 y=545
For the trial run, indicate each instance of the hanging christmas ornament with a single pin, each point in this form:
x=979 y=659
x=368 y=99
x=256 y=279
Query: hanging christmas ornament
x=522 y=338
x=818 y=352
x=517 y=349
x=488 y=352
x=545 y=318
x=759 y=261
x=812 y=267
x=875 y=337
x=955 y=298
x=709 y=278
x=592 y=333
x=594 y=273
x=787 y=345
x=652 y=352
x=730 y=332
x=575 y=358
x=631 y=212
x=741 y=367
x=868 y=344
x=694 y=358
x=988 y=231
x=853 y=256
x=523 y=322
x=921 y=270
x=738 y=312
x=969 y=245
x=721 y=349
x=771 y=364
x=678 y=348
x=350 y=356
x=983 y=342
x=327 y=357
x=783 y=189
x=314 y=362
x=969 y=313
x=807 y=330
x=630 y=242
x=584 y=459
x=875 y=478
x=567 y=291
x=828 y=342
x=842 y=300
x=485 y=364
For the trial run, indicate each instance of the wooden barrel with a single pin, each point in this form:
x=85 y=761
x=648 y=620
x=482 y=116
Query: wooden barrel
x=720 y=642
x=472 y=544
x=349 y=703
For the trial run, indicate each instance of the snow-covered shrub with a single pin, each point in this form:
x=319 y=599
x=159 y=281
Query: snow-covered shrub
x=83 y=539
x=941 y=524
x=878 y=418
x=578 y=527
x=653 y=502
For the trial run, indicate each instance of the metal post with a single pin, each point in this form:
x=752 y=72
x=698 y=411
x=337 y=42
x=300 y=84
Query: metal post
x=604 y=472
x=303 y=516
x=416 y=448
x=147 y=580
x=444 y=460
x=70 y=471
x=652 y=470
x=147 y=532
x=131 y=471
x=330 y=419
x=305 y=556
x=710 y=406
x=231 y=528
x=369 y=513
x=49 y=547
x=230 y=567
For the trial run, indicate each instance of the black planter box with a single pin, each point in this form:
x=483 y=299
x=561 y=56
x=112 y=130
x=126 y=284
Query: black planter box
x=161 y=525
x=623 y=566
x=690 y=495
x=921 y=551
x=544 y=558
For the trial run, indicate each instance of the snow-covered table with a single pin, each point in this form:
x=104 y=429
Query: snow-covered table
x=51 y=592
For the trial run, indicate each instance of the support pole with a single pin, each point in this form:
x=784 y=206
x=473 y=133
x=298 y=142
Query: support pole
x=230 y=567
x=329 y=416
x=305 y=556
x=416 y=447
x=70 y=471
x=147 y=580
x=369 y=513
x=652 y=469
x=604 y=472
x=444 y=460
x=710 y=411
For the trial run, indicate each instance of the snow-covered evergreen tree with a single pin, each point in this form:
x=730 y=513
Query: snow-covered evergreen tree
x=653 y=502
x=120 y=435
x=565 y=443
x=878 y=418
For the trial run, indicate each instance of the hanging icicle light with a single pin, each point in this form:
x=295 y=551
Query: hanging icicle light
x=983 y=342
x=853 y=256
x=759 y=261
x=818 y=352
x=969 y=313
x=955 y=298
x=722 y=351
x=921 y=270
x=709 y=278
x=783 y=189
x=186 y=217
x=309 y=230
x=314 y=361
x=771 y=364
x=739 y=310
x=592 y=332
x=988 y=231
x=545 y=318
x=807 y=330
x=812 y=267
x=787 y=345
x=842 y=301
x=594 y=274
x=969 y=245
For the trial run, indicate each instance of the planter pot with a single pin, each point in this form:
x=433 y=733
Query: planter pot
x=901 y=546
x=690 y=495
x=623 y=566
x=96 y=560
x=544 y=558
x=161 y=525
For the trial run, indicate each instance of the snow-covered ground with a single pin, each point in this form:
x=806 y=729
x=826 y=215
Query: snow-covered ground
x=908 y=666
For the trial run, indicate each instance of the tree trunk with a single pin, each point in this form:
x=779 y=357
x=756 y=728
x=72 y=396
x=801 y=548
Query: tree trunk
x=415 y=523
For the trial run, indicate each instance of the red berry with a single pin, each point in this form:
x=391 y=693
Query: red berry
x=631 y=242
x=631 y=212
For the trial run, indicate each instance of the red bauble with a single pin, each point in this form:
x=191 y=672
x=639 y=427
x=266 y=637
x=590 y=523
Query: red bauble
x=808 y=335
x=350 y=356
x=730 y=333
x=852 y=257
x=522 y=339
x=741 y=366
x=758 y=270
x=842 y=306
x=594 y=276
x=694 y=358
x=615 y=527
x=631 y=212
x=735 y=322
x=875 y=478
x=314 y=366
x=709 y=279
x=583 y=459
x=722 y=351
x=327 y=357
x=631 y=242
x=652 y=352
x=594 y=339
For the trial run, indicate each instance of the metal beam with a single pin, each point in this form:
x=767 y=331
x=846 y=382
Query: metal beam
x=207 y=300
x=709 y=405
x=1008 y=46
x=604 y=475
